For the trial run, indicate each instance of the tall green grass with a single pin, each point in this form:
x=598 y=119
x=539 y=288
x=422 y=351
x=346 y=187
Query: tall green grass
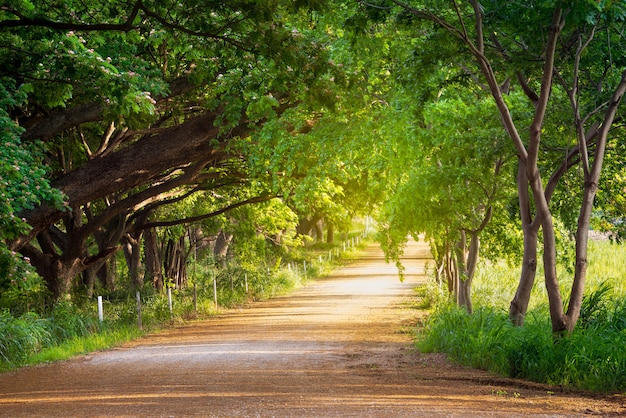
x=593 y=357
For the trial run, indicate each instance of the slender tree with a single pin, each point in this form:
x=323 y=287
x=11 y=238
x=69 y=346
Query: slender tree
x=549 y=51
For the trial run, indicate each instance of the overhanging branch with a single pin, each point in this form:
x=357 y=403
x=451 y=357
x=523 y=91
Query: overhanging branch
x=192 y=219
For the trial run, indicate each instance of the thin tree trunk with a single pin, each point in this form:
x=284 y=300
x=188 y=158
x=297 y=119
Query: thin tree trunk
x=519 y=305
x=463 y=282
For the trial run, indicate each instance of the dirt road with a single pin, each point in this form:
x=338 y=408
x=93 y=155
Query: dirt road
x=337 y=348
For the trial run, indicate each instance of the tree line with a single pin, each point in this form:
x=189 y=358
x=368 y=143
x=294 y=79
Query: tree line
x=160 y=128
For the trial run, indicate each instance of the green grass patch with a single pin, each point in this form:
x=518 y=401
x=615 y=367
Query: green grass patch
x=591 y=358
x=87 y=344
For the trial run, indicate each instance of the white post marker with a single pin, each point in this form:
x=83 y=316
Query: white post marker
x=139 y=310
x=215 y=290
x=100 y=310
x=169 y=300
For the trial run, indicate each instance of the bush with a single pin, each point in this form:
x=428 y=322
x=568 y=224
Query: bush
x=21 y=336
x=591 y=358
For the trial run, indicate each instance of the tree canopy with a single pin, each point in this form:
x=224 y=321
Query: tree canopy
x=470 y=122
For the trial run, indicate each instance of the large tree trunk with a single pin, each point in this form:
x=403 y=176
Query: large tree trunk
x=220 y=249
x=153 y=259
x=175 y=262
x=319 y=231
x=89 y=280
x=131 y=244
x=106 y=274
x=330 y=233
x=306 y=226
x=60 y=257
x=519 y=304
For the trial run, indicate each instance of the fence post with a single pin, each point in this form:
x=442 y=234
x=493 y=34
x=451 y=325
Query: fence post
x=195 y=297
x=169 y=301
x=100 y=310
x=215 y=290
x=139 y=324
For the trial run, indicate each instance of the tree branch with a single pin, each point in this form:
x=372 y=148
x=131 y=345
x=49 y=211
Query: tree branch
x=198 y=218
x=546 y=88
x=22 y=21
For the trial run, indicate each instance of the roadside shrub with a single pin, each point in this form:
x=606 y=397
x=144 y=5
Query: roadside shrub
x=478 y=340
x=432 y=294
x=68 y=321
x=591 y=358
x=21 y=336
x=21 y=288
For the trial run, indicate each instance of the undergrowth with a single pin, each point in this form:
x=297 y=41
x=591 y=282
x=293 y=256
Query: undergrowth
x=73 y=327
x=591 y=358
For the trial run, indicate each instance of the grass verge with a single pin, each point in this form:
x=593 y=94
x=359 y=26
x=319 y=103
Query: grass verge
x=591 y=358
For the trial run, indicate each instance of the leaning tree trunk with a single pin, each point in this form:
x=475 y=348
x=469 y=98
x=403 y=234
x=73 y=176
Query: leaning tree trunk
x=89 y=280
x=519 y=304
x=106 y=273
